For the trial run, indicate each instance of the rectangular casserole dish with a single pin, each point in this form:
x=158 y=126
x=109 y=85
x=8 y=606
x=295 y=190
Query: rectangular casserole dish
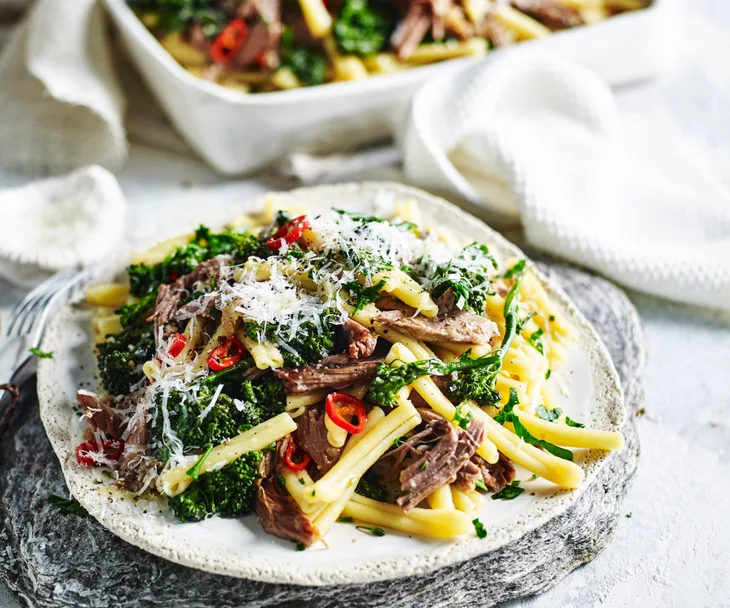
x=238 y=133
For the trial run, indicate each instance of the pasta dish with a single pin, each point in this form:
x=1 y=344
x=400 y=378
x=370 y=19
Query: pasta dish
x=267 y=45
x=332 y=367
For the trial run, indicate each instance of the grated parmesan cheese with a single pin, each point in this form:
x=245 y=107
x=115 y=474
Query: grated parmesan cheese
x=212 y=403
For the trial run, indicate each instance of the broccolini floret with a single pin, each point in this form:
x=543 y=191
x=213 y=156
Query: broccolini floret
x=362 y=29
x=239 y=406
x=229 y=492
x=310 y=344
x=309 y=65
x=175 y=15
x=467 y=276
x=121 y=357
x=371 y=486
x=145 y=279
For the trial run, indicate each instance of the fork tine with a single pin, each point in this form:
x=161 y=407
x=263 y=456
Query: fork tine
x=20 y=311
x=25 y=326
x=28 y=307
x=65 y=293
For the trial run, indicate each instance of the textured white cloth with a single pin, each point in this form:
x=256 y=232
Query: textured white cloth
x=61 y=105
x=60 y=222
x=531 y=135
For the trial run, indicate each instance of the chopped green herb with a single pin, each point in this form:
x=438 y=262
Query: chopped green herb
x=40 y=354
x=389 y=379
x=521 y=324
x=536 y=340
x=373 y=531
x=300 y=547
x=546 y=414
x=551 y=318
x=194 y=471
x=282 y=481
x=509 y=492
x=534 y=476
x=628 y=515
x=479 y=528
x=424 y=465
x=527 y=437
x=363 y=295
x=68 y=505
x=398 y=441
x=507 y=415
x=467 y=275
x=577 y=425
x=515 y=270
x=301 y=481
x=462 y=418
x=479 y=483
x=344 y=519
x=548 y=373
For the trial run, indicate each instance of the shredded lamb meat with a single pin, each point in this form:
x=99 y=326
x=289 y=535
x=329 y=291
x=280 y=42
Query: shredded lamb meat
x=278 y=513
x=439 y=452
x=360 y=342
x=311 y=436
x=494 y=476
x=170 y=296
x=464 y=327
x=339 y=375
x=100 y=413
x=554 y=15
x=411 y=31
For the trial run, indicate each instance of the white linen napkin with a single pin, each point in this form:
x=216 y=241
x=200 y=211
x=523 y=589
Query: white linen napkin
x=536 y=137
x=60 y=222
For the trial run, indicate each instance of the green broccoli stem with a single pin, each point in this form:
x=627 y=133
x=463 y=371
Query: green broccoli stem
x=194 y=471
x=229 y=374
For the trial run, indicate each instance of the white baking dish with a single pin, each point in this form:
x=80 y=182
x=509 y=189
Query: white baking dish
x=238 y=133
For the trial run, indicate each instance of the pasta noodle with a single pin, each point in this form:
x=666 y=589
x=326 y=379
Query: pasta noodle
x=351 y=466
x=435 y=398
x=176 y=480
x=461 y=501
x=230 y=339
x=112 y=295
x=436 y=523
x=333 y=510
x=441 y=499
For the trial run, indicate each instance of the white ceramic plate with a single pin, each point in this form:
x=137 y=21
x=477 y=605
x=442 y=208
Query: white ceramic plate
x=239 y=547
x=238 y=133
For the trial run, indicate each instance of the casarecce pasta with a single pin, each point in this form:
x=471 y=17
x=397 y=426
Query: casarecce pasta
x=266 y=45
x=331 y=367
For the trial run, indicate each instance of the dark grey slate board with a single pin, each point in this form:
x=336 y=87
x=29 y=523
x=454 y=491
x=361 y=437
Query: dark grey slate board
x=52 y=559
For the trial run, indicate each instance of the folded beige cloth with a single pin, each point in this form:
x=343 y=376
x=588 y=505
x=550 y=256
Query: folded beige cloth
x=61 y=105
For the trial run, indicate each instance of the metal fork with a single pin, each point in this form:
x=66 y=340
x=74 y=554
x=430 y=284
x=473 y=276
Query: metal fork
x=30 y=317
x=26 y=312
